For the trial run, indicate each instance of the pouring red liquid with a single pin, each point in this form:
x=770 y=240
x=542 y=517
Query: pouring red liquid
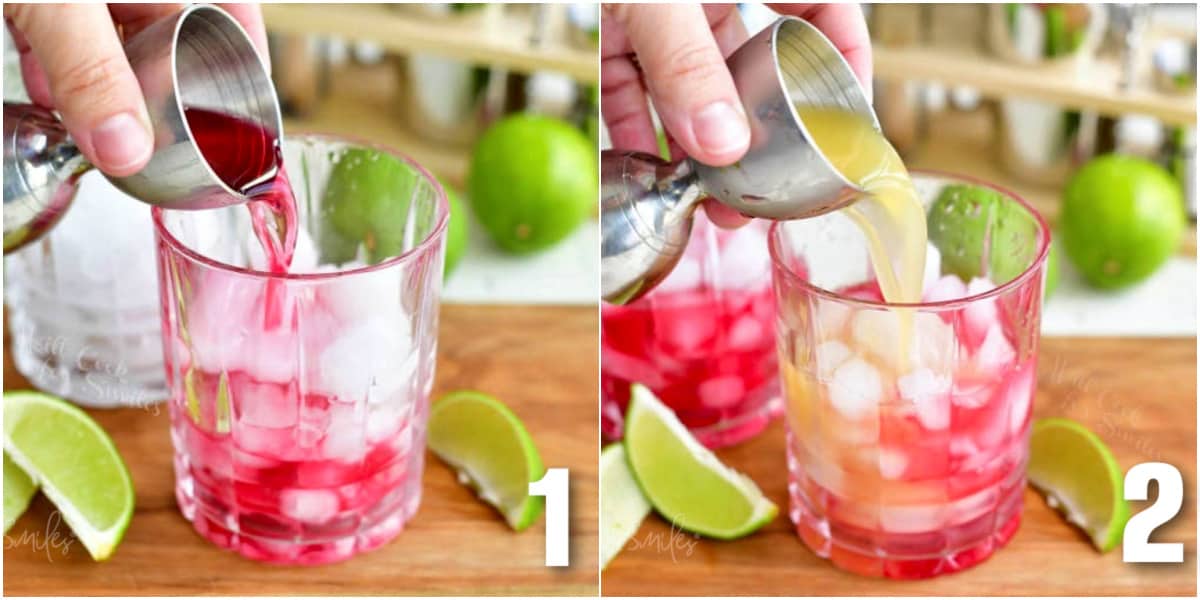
x=248 y=159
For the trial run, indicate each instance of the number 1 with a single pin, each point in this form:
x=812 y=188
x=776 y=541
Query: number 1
x=553 y=486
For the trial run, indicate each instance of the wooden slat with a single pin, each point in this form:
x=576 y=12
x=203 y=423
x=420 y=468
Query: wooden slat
x=503 y=42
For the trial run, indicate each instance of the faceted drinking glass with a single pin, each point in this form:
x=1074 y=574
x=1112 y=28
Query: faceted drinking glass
x=906 y=454
x=701 y=340
x=299 y=401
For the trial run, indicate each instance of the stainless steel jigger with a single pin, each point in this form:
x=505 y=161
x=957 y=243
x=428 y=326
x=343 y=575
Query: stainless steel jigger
x=200 y=57
x=647 y=204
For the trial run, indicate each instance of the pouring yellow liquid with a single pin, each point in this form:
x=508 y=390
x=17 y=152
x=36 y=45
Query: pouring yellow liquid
x=890 y=213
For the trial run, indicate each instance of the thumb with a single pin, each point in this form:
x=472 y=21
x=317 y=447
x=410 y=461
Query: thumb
x=686 y=75
x=90 y=81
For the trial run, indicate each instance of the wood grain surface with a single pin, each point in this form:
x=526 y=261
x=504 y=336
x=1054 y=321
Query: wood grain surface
x=1139 y=395
x=542 y=361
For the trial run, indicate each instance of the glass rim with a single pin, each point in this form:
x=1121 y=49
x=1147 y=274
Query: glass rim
x=163 y=233
x=779 y=266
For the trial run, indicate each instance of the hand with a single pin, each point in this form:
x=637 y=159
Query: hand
x=72 y=61
x=676 y=54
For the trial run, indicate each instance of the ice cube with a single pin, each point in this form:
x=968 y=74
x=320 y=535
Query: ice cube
x=353 y=297
x=385 y=420
x=376 y=352
x=948 y=287
x=309 y=506
x=856 y=389
x=747 y=333
x=634 y=368
x=933 y=265
x=995 y=354
x=930 y=395
x=830 y=355
x=1019 y=397
x=686 y=332
x=684 y=277
x=918 y=518
x=263 y=404
x=979 y=315
x=344 y=438
x=721 y=392
x=970 y=393
x=879 y=332
x=266 y=442
x=745 y=262
x=962 y=446
x=831 y=318
x=892 y=463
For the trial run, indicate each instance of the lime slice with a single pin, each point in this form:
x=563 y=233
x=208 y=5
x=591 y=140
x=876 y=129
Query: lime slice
x=76 y=464
x=18 y=491
x=622 y=503
x=491 y=451
x=685 y=481
x=1080 y=478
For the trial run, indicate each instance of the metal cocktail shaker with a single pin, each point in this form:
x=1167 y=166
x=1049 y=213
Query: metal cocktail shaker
x=199 y=57
x=647 y=204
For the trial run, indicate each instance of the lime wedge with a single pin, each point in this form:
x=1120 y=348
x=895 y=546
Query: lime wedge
x=76 y=464
x=685 y=481
x=491 y=451
x=18 y=491
x=1080 y=479
x=622 y=503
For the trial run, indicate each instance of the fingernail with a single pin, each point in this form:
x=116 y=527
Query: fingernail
x=720 y=128
x=120 y=142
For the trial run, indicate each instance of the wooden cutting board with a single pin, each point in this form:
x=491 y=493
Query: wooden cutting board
x=542 y=361
x=1139 y=395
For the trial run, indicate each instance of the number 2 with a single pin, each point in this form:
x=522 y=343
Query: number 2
x=1137 y=546
x=553 y=486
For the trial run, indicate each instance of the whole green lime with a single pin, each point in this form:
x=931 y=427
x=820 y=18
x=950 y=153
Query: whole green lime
x=965 y=220
x=456 y=230
x=1122 y=217
x=365 y=204
x=533 y=180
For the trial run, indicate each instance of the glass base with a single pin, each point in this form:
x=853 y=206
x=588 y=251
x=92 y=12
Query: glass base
x=305 y=548
x=910 y=555
x=304 y=512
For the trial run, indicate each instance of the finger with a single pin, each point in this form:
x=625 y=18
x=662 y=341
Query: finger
x=724 y=216
x=685 y=73
x=846 y=29
x=250 y=16
x=94 y=90
x=727 y=27
x=623 y=105
x=133 y=18
x=32 y=74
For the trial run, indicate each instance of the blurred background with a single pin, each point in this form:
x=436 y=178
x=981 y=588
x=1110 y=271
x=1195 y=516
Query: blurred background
x=429 y=80
x=1025 y=96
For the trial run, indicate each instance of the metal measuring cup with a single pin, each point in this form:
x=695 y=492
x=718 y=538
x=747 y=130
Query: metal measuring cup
x=199 y=57
x=647 y=204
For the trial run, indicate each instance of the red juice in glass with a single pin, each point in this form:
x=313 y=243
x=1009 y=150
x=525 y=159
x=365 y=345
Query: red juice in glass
x=702 y=341
x=299 y=380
